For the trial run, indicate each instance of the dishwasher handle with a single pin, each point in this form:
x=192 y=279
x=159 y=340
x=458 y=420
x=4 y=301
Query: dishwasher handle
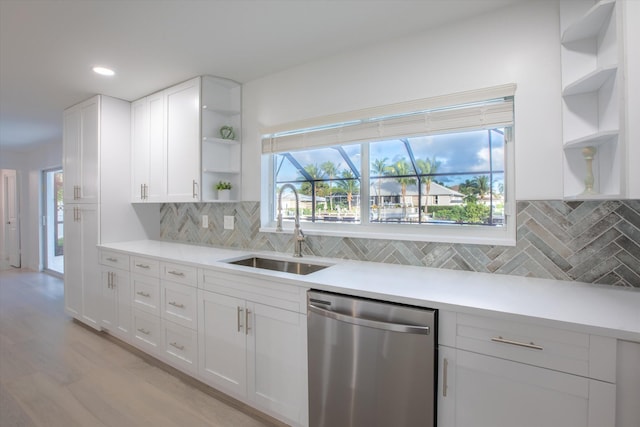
x=377 y=324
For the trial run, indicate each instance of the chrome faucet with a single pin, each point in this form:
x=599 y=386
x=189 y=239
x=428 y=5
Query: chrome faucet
x=298 y=235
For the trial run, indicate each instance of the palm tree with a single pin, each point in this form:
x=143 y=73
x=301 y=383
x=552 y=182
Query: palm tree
x=349 y=185
x=379 y=168
x=427 y=167
x=481 y=184
x=312 y=187
x=402 y=169
x=330 y=170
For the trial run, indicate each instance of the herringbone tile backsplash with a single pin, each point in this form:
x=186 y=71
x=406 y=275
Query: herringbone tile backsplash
x=594 y=241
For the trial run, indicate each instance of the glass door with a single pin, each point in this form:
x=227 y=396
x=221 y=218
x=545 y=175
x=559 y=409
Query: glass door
x=53 y=221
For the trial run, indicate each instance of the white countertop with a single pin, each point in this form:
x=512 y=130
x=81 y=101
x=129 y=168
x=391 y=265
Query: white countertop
x=598 y=309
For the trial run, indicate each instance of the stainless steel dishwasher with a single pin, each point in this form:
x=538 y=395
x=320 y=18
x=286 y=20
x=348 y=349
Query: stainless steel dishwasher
x=371 y=363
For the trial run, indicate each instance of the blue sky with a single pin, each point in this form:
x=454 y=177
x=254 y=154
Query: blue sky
x=458 y=152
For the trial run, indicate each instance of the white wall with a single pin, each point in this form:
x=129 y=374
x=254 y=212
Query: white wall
x=632 y=74
x=30 y=165
x=516 y=45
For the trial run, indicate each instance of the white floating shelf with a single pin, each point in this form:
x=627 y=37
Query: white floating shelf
x=223 y=111
x=591 y=82
x=590 y=23
x=220 y=140
x=221 y=171
x=593 y=139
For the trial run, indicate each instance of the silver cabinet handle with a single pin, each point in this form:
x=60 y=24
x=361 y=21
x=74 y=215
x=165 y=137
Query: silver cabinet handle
x=143 y=294
x=146 y=191
x=445 y=372
x=176 y=273
x=176 y=345
x=143 y=266
x=239 y=316
x=175 y=304
x=531 y=345
x=144 y=331
x=112 y=259
x=247 y=312
x=195 y=189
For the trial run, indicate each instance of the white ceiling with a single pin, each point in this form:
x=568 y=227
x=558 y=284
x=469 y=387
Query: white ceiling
x=48 y=47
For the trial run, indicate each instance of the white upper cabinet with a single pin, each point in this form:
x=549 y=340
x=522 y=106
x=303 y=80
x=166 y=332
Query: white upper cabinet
x=593 y=95
x=80 y=152
x=149 y=149
x=183 y=141
x=186 y=139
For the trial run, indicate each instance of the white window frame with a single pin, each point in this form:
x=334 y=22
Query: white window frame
x=464 y=234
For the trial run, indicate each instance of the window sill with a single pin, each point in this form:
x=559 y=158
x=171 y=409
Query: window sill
x=415 y=233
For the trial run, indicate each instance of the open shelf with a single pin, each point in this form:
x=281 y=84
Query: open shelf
x=216 y=140
x=221 y=158
x=590 y=82
x=590 y=23
x=595 y=139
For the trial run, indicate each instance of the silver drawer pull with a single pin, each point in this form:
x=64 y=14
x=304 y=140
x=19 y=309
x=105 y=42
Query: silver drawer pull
x=176 y=345
x=518 y=343
x=112 y=259
x=176 y=273
x=175 y=304
x=143 y=294
x=143 y=266
x=144 y=331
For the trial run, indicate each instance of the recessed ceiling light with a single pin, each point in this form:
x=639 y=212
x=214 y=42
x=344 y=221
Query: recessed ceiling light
x=103 y=71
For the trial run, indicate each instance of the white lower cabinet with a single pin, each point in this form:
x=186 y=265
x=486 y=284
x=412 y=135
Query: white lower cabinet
x=254 y=352
x=147 y=332
x=117 y=308
x=518 y=381
x=82 y=285
x=488 y=391
x=180 y=346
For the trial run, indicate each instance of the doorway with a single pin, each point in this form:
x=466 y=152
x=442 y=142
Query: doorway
x=10 y=220
x=53 y=221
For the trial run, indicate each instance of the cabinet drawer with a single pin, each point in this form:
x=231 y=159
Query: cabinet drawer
x=114 y=259
x=146 y=266
x=147 y=332
x=180 y=346
x=146 y=294
x=179 y=304
x=547 y=347
x=179 y=273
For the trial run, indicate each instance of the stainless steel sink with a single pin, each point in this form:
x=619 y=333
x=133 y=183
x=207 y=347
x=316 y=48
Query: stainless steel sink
x=294 y=267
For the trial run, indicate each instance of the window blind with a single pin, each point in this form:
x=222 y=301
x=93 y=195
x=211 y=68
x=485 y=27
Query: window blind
x=480 y=109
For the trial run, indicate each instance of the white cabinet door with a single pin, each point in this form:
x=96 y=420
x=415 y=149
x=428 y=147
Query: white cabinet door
x=72 y=262
x=157 y=157
x=139 y=149
x=222 y=342
x=183 y=141
x=493 y=392
x=80 y=152
x=149 y=149
x=83 y=286
x=116 y=302
x=276 y=362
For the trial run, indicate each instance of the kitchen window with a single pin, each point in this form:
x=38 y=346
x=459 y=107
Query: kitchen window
x=427 y=170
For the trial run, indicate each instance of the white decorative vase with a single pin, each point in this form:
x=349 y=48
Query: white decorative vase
x=224 y=194
x=588 y=153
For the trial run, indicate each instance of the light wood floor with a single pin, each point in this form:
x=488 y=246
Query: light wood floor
x=56 y=372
